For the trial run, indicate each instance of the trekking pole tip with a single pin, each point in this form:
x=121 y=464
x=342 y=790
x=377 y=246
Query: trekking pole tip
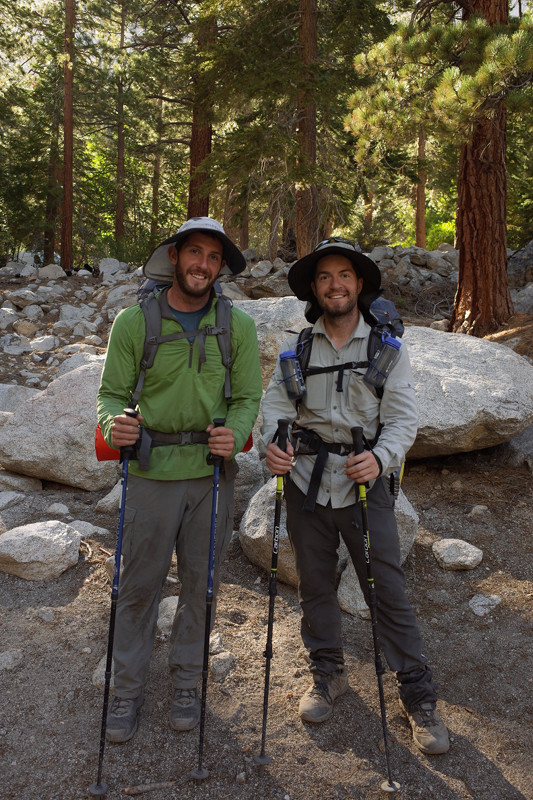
x=262 y=759
x=199 y=774
x=390 y=786
x=98 y=789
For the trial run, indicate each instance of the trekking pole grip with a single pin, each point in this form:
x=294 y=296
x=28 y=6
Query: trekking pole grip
x=219 y=422
x=283 y=433
x=357 y=439
x=129 y=451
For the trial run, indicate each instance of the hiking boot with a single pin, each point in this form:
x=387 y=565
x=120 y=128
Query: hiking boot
x=122 y=719
x=316 y=705
x=185 y=711
x=429 y=731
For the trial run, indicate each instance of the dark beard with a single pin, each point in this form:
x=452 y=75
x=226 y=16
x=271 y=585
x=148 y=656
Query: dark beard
x=340 y=312
x=186 y=290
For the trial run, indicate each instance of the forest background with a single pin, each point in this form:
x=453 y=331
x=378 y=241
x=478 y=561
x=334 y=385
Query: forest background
x=288 y=120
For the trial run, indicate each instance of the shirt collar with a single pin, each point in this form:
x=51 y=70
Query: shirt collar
x=359 y=332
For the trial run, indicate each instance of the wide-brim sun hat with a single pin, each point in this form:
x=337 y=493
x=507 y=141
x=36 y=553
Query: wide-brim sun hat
x=159 y=267
x=302 y=274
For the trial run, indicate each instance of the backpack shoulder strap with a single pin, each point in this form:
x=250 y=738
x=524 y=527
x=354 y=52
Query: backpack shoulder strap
x=303 y=349
x=223 y=324
x=152 y=319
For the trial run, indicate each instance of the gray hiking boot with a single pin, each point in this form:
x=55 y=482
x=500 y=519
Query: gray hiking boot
x=185 y=711
x=316 y=704
x=123 y=718
x=429 y=731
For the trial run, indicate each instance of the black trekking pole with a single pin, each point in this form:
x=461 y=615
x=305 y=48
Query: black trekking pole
x=99 y=788
x=200 y=773
x=389 y=785
x=283 y=435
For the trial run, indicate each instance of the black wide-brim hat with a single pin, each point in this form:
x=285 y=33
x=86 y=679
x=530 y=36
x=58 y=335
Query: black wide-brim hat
x=159 y=267
x=302 y=274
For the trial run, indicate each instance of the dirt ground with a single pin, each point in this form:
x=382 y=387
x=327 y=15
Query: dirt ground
x=50 y=711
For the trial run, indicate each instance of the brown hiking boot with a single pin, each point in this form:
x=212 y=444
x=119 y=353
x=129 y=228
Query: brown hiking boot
x=429 y=731
x=316 y=704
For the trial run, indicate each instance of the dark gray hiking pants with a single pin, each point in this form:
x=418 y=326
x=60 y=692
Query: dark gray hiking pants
x=162 y=517
x=315 y=539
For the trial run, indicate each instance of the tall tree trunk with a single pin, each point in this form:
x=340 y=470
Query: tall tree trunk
x=244 y=233
x=306 y=221
x=420 y=212
x=482 y=301
x=273 y=238
x=368 y=216
x=231 y=212
x=156 y=177
x=202 y=131
x=68 y=137
x=52 y=194
x=121 y=172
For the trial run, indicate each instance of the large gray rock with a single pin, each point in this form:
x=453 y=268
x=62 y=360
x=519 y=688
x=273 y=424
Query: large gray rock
x=39 y=551
x=273 y=318
x=471 y=393
x=520 y=267
x=12 y=395
x=51 y=435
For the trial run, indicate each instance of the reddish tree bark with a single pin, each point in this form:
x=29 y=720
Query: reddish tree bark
x=202 y=131
x=156 y=177
x=121 y=171
x=483 y=302
x=420 y=212
x=68 y=137
x=52 y=194
x=306 y=213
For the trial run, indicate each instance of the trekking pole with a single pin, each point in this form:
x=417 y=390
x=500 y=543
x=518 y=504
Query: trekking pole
x=200 y=773
x=99 y=788
x=388 y=785
x=283 y=435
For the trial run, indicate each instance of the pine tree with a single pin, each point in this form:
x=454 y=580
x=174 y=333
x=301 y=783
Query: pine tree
x=456 y=78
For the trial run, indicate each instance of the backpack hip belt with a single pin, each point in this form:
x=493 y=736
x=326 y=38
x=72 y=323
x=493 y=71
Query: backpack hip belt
x=150 y=438
x=309 y=443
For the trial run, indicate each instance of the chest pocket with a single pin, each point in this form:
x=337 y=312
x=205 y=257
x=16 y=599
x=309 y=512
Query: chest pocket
x=318 y=389
x=361 y=399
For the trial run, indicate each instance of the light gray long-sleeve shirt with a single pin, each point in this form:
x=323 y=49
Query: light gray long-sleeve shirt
x=332 y=414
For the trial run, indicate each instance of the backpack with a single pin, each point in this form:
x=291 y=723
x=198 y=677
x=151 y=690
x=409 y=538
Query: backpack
x=151 y=308
x=383 y=317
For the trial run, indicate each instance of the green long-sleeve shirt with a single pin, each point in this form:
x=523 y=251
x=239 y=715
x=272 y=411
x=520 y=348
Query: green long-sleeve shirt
x=176 y=396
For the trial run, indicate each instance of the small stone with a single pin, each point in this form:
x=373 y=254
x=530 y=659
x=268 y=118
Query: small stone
x=241 y=778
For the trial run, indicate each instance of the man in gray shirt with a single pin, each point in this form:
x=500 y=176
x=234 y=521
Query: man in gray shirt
x=322 y=473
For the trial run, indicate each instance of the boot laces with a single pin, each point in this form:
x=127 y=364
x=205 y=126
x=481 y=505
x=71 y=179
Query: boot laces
x=426 y=715
x=321 y=689
x=185 y=697
x=121 y=706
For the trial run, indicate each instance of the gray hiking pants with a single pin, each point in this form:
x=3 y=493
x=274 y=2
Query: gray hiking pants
x=315 y=539
x=160 y=517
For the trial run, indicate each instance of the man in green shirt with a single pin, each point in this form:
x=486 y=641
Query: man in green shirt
x=168 y=505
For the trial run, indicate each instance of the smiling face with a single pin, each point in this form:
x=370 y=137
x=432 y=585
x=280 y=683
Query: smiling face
x=196 y=265
x=336 y=286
